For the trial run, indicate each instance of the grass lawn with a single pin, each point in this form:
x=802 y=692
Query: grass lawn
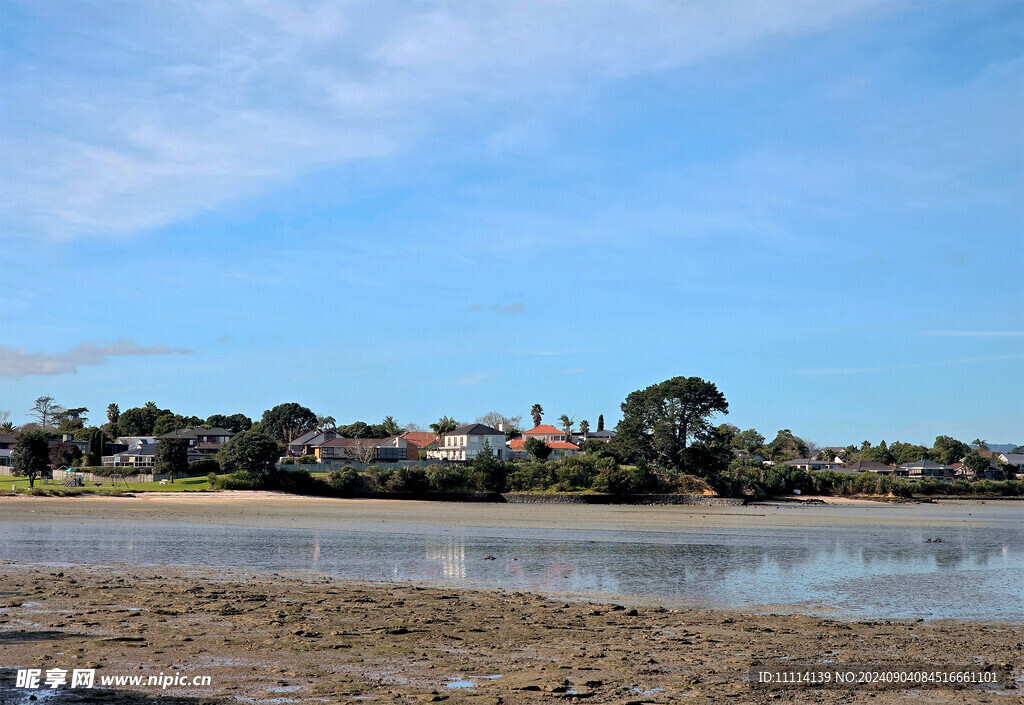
x=188 y=484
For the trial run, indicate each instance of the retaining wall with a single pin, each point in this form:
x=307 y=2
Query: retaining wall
x=530 y=498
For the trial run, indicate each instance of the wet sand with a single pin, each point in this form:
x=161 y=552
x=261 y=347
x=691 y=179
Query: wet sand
x=309 y=638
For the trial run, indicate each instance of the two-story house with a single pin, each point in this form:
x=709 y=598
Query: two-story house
x=201 y=440
x=561 y=446
x=466 y=442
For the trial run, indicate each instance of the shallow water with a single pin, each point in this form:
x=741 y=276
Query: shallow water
x=871 y=570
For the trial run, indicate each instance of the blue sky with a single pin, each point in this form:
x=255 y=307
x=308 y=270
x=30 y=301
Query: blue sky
x=421 y=209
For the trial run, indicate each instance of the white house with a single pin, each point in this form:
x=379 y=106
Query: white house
x=466 y=442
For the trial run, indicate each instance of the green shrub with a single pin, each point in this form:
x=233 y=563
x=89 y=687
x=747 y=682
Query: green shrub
x=204 y=466
x=346 y=482
x=239 y=481
x=446 y=478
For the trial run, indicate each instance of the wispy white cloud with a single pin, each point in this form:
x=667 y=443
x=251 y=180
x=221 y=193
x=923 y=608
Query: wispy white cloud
x=498 y=308
x=177 y=108
x=472 y=380
x=18 y=362
x=975 y=334
x=908 y=366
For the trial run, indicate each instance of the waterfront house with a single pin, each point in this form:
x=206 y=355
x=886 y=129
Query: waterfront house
x=1015 y=460
x=422 y=440
x=304 y=444
x=466 y=442
x=83 y=446
x=810 y=464
x=364 y=449
x=874 y=466
x=201 y=440
x=924 y=469
x=6 y=449
x=559 y=449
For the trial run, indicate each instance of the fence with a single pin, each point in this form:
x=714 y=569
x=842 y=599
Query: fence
x=360 y=467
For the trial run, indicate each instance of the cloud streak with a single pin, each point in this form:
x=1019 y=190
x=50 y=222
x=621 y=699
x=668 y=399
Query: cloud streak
x=18 y=362
x=498 y=308
x=909 y=366
x=138 y=120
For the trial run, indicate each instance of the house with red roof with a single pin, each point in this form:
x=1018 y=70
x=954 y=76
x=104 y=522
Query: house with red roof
x=554 y=437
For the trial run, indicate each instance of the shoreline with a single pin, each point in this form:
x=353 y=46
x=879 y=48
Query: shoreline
x=275 y=509
x=307 y=636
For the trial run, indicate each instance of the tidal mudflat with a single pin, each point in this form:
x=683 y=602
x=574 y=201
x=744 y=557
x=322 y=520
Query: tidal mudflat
x=855 y=560
x=285 y=599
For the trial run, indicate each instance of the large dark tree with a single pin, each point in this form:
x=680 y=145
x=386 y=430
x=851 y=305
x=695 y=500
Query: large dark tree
x=948 y=450
x=236 y=423
x=96 y=445
x=71 y=420
x=600 y=422
x=786 y=446
x=977 y=463
x=286 y=422
x=250 y=452
x=64 y=455
x=172 y=456
x=659 y=422
x=750 y=440
x=140 y=421
x=31 y=456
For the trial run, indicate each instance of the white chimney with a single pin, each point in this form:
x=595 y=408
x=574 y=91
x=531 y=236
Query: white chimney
x=501 y=426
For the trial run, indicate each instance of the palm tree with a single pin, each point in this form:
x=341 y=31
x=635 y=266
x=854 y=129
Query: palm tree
x=325 y=423
x=391 y=427
x=445 y=424
x=584 y=427
x=567 y=423
x=537 y=412
x=7 y=427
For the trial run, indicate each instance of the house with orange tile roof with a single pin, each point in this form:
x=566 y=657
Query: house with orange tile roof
x=554 y=437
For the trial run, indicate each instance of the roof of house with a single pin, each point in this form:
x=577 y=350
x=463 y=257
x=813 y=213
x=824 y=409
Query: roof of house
x=5 y=438
x=419 y=438
x=143 y=449
x=807 y=461
x=517 y=444
x=304 y=438
x=600 y=434
x=1012 y=458
x=341 y=442
x=924 y=464
x=475 y=429
x=868 y=466
x=188 y=433
x=544 y=430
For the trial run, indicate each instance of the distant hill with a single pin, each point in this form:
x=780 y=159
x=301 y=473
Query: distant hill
x=1003 y=447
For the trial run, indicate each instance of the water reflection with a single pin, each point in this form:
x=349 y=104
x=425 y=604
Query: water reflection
x=451 y=556
x=971 y=574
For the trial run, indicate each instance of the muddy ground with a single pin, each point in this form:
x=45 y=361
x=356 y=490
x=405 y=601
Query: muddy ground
x=306 y=638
